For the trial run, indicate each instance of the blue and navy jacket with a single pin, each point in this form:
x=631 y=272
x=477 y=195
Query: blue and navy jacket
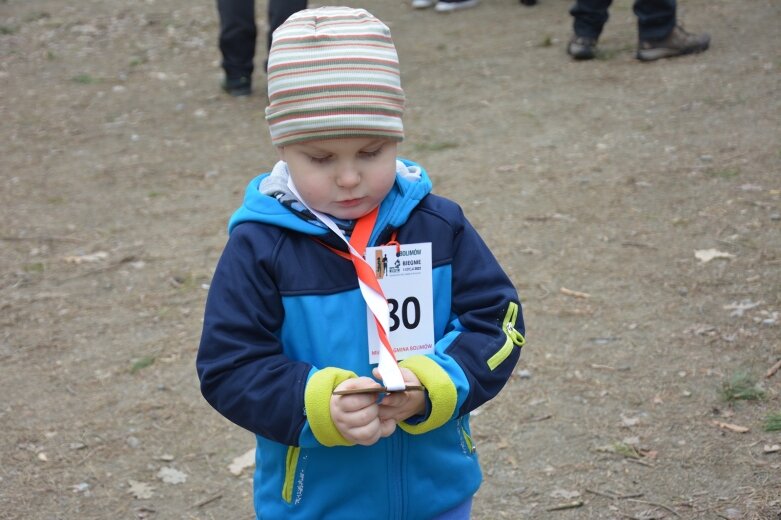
x=285 y=323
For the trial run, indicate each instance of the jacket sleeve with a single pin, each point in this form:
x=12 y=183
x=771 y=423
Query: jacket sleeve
x=482 y=341
x=243 y=372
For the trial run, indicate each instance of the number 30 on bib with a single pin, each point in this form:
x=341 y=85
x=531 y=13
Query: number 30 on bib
x=405 y=278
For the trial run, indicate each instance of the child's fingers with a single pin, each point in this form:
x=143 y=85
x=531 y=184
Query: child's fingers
x=354 y=402
x=361 y=417
x=393 y=406
x=409 y=376
x=365 y=435
x=402 y=406
x=352 y=412
x=397 y=399
x=394 y=401
x=387 y=427
x=357 y=382
x=387 y=413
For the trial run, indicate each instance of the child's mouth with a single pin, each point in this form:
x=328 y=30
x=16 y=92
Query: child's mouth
x=349 y=203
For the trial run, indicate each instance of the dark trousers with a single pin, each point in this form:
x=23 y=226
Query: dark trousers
x=238 y=32
x=655 y=18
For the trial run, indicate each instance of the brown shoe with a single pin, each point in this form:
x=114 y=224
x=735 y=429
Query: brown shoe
x=677 y=43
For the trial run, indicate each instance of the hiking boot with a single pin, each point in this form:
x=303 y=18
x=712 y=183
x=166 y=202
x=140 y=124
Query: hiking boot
x=582 y=47
x=678 y=43
x=237 y=87
x=422 y=4
x=446 y=6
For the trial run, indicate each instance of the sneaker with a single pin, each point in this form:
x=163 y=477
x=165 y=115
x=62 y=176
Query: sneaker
x=422 y=4
x=582 y=47
x=446 y=6
x=678 y=43
x=237 y=87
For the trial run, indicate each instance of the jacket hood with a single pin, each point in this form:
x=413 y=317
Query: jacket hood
x=411 y=186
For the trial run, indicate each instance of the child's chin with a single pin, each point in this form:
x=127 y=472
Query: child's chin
x=350 y=215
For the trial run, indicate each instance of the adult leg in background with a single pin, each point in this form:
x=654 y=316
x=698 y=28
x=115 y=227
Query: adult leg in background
x=589 y=17
x=655 y=18
x=278 y=12
x=237 y=37
x=659 y=35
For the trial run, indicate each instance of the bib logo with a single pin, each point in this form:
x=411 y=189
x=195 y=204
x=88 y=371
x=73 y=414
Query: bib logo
x=380 y=264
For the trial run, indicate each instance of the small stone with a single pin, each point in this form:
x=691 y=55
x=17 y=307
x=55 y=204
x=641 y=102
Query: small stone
x=80 y=488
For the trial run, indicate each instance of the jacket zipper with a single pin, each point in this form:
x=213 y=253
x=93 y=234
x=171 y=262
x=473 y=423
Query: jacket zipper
x=513 y=337
x=291 y=463
x=468 y=446
x=394 y=509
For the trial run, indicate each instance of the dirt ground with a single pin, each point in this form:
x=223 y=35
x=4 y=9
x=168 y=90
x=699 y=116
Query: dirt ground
x=601 y=186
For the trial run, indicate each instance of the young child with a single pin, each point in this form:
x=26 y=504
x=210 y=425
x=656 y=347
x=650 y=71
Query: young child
x=289 y=349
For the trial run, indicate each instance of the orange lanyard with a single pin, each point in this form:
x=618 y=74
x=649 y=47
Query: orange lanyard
x=359 y=240
x=363 y=230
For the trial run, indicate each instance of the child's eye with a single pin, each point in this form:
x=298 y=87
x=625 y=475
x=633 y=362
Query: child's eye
x=368 y=154
x=320 y=160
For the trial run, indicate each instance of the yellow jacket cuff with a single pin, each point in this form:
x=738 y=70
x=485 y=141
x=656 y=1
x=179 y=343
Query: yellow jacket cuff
x=317 y=401
x=441 y=392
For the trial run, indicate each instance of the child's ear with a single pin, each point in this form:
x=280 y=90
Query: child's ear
x=281 y=152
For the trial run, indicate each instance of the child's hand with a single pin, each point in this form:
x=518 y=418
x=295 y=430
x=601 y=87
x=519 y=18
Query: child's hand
x=400 y=406
x=357 y=416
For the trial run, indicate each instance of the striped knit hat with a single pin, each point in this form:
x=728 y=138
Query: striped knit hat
x=333 y=72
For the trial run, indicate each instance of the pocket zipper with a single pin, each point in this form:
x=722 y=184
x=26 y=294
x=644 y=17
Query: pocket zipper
x=513 y=337
x=291 y=462
x=470 y=445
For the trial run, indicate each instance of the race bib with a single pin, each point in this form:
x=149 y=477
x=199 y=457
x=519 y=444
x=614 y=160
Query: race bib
x=405 y=277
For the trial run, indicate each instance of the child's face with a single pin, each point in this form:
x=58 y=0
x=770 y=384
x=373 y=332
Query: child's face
x=345 y=178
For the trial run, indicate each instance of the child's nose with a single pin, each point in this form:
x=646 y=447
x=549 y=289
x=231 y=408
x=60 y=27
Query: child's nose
x=348 y=176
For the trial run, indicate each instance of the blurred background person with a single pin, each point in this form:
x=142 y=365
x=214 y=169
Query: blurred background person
x=658 y=32
x=238 y=34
